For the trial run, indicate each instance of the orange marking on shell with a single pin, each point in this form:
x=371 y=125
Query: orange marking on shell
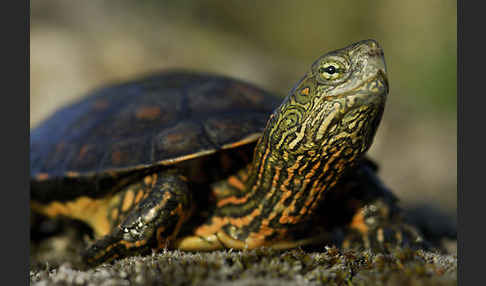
x=147 y=112
x=101 y=104
x=71 y=174
x=42 y=176
x=60 y=147
x=83 y=151
x=248 y=92
x=174 y=138
x=127 y=201
x=116 y=157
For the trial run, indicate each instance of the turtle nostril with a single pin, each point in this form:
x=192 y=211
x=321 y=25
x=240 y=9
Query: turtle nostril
x=376 y=52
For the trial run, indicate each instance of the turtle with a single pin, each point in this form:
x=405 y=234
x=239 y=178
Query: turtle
x=200 y=162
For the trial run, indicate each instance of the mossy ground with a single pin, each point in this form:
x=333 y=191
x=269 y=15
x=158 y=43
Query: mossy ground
x=263 y=267
x=56 y=261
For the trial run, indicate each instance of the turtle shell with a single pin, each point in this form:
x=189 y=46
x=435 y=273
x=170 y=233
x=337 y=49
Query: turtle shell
x=158 y=120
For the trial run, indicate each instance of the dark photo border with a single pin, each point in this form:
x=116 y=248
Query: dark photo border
x=14 y=120
x=471 y=143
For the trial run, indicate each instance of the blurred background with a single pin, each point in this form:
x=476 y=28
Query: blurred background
x=77 y=46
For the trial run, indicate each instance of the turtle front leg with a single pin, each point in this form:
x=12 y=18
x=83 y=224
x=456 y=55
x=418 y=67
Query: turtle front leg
x=146 y=215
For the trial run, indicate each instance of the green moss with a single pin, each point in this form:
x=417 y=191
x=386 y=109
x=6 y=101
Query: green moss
x=264 y=267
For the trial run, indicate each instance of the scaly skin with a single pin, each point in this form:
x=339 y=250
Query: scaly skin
x=321 y=130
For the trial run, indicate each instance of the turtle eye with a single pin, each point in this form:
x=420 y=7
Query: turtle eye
x=331 y=70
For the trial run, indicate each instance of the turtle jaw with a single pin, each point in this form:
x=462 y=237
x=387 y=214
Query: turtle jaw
x=353 y=119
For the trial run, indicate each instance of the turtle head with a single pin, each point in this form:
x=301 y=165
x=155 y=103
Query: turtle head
x=336 y=107
x=320 y=130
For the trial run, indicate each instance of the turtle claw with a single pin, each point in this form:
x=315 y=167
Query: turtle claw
x=384 y=237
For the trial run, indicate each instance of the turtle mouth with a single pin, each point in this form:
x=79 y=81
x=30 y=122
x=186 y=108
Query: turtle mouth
x=375 y=86
x=381 y=76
